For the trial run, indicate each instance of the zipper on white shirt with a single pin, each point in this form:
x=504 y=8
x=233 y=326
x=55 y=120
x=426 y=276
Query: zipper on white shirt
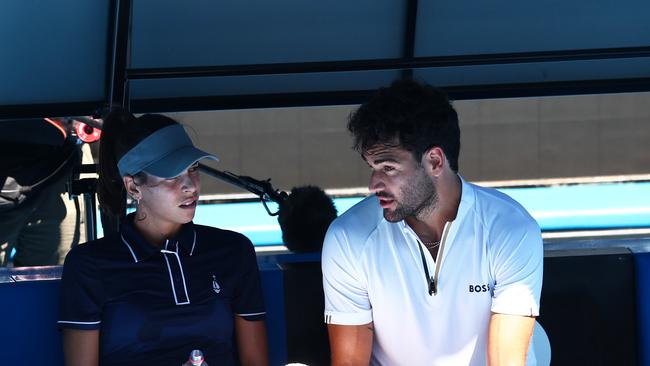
x=433 y=281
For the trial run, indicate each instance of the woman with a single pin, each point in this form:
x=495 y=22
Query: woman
x=161 y=286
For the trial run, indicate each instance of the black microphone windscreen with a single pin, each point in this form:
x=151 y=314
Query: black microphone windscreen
x=304 y=218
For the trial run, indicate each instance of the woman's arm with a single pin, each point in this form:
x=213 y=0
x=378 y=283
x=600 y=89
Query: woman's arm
x=251 y=342
x=81 y=347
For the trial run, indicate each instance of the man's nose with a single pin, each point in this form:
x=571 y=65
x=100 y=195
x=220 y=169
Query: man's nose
x=376 y=183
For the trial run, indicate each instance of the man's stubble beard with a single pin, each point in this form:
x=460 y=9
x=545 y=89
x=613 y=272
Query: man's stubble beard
x=417 y=200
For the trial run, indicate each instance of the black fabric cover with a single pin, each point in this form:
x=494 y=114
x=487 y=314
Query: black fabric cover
x=588 y=309
x=307 y=340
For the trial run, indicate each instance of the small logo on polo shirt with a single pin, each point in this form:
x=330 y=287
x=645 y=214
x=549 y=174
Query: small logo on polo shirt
x=215 y=285
x=480 y=288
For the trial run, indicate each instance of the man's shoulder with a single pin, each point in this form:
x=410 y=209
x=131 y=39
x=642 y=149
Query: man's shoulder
x=501 y=215
x=494 y=205
x=351 y=230
x=349 y=240
x=361 y=219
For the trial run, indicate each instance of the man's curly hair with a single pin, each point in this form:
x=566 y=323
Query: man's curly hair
x=410 y=115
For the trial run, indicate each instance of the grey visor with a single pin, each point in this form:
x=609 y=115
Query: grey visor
x=165 y=153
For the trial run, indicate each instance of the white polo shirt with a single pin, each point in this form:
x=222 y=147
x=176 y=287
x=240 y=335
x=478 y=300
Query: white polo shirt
x=373 y=272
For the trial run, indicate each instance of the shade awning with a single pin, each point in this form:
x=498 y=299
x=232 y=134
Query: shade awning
x=75 y=56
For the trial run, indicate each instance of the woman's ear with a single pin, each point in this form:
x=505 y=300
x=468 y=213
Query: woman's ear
x=434 y=160
x=132 y=189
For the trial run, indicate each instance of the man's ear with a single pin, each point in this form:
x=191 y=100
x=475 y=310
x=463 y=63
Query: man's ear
x=132 y=189
x=434 y=160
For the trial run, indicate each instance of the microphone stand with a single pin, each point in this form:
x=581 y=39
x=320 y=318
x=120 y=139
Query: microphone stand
x=262 y=189
x=86 y=187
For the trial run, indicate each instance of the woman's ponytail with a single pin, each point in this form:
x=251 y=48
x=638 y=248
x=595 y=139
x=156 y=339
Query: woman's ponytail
x=121 y=132
x=110 y=190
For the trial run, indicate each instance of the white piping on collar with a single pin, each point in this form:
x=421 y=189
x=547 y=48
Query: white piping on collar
x=252 y=314
x=72 y=322
x=180 y=264
x=171 y=277
x=130 y=249
x=193 y=243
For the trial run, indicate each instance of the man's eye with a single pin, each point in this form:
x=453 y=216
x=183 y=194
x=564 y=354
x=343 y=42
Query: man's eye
x=193 y=168
x=387 y=169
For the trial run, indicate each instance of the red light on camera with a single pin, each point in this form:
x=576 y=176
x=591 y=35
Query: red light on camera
x=87 y=133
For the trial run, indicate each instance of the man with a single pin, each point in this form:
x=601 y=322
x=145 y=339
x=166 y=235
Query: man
x=37 y=219
x=430 y=270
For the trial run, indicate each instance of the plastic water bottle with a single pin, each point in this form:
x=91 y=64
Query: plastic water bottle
x=196 y=359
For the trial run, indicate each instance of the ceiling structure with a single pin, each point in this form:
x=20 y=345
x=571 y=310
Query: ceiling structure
x=77 y=57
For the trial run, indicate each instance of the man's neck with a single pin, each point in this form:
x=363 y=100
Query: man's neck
x=429 y=228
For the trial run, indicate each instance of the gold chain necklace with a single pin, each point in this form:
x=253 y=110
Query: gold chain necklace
x=432 y=245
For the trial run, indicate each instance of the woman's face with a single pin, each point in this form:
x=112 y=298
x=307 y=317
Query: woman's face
x=171 y=201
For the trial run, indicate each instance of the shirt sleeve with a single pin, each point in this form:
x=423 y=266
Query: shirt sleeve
x=81 y=292
x=346 y=295
x=248 y=300
x=517 y=268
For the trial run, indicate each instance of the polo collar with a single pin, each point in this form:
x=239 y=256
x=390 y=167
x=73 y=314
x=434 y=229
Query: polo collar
x=467 y=198
x=184 y=241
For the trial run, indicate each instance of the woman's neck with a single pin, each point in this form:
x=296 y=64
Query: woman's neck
x=156 y=233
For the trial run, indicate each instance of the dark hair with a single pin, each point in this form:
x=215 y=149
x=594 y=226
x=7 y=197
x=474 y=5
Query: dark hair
x=411 y=115
x=121 y=131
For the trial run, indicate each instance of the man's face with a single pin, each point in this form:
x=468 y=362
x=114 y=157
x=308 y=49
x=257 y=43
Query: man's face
x=402 y=184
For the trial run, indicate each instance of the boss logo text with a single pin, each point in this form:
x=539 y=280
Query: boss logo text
x=479 y=288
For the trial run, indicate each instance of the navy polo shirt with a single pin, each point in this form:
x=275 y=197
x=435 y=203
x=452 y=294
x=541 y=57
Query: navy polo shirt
x=154 y=306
